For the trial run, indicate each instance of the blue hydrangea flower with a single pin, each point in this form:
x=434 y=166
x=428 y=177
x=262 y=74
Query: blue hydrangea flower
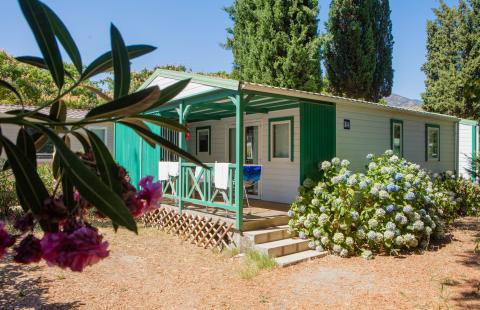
x=398 y=176
x=352 y=180
x=301 y=234
x=354 y=215
x=407 y=185
x=319 y=248
x=311 y=245
x=290 y=213
x=336 y=179
x=390 y=208
x=322 y=209
x=409 y=196
x=392 y=187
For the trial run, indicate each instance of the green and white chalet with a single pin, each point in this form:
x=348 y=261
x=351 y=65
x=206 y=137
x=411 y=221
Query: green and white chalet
x=287 y=132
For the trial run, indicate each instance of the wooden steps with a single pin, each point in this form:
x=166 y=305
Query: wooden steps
x=278 y=242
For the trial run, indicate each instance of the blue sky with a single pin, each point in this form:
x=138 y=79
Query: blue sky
x=190 y=32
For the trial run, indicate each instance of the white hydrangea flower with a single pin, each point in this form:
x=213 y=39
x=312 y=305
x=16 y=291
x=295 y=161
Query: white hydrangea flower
x=374 y=191
x=384 y=170
x=302 y=209
x=449 y=172
x=322 y=219
x=338 y=238
x=319 y=248
x=388 y=234
x=399 y=241
x=344 y=163
x=394 y=159
x=428 y=230
x=371 y=235
x=343 y=226
x=352 y=180
x=316 y=233
x=349 y=241
x=311 y=245
x=389 y=152
x=335 y=161
x=369 y=156
x=325 y=241
x=372 y=223
x=378 y=237
x=390 y=226
x=311 y=217
x=362 y=184
x=307 y=224
x=410 y=240
x=418 y=225
x=322 y=209
x=344 y=253
x=416 y=216
x=315 y=202
x=360 y=234
x=383 y=194
x=367 y=254
x=325 y=165
x=372 y=166
x=407 y=209
x=380 y=212
x=409 y=177
x=336 y=179
x=318 y=189
x=301 y=219
x=337 y=248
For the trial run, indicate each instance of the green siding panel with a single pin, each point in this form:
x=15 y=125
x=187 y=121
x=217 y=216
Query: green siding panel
x=317 y=137
x=127 y=151
x=150 y=156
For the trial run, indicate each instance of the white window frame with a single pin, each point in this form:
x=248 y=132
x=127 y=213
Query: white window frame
x=198 y=131
x=105 y=130
x=272 y=139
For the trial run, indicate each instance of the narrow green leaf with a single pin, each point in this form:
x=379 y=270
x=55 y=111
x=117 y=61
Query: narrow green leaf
x=58 y=111
x=104 y=62
x=56 y=166
x=105 y=163
x=121 y=64
x=34 y=61
x=67 y=190
x=65 y=38
x=169 y=93
x=8 y=86
x=90 y=186
x=43 y=32
x=163 y=143
x=26 y=145
x=159 y=121
x=127 y=105
x=31 y=186
x=83 y=140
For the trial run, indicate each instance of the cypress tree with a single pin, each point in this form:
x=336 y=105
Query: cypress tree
x=276 y=42
x=453 y=59
x=358 y=49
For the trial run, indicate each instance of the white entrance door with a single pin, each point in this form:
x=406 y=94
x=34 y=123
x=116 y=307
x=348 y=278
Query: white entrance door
x=251 y=152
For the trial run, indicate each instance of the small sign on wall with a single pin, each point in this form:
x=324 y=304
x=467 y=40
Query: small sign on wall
x=346 y=124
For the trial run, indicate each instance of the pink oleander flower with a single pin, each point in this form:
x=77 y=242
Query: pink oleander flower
x=54 y=210
x=148 y=198
x=6 y=239
x=24 y=223
x=28 y=251
x=76 y=250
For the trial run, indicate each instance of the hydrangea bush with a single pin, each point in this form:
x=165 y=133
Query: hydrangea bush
x=393 y=206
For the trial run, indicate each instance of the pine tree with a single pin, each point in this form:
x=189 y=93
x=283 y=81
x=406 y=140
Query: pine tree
x=453 y=59
x=358 y=49
x=276 y=42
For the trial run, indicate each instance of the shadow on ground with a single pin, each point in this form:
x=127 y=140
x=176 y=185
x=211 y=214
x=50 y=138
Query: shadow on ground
x=19 y=289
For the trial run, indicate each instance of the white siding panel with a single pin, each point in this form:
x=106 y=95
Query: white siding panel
x=280 y=179
x=370 y=133
x=464 y=149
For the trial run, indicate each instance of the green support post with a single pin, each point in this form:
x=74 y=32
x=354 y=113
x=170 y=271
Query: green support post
x=239 y=132
x=182 y=111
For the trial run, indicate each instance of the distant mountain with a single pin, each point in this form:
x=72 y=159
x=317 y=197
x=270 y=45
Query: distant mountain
x=395 y=100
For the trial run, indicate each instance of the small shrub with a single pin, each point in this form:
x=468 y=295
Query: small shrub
x=253 y=262
x=466 y=192
x=393 y=206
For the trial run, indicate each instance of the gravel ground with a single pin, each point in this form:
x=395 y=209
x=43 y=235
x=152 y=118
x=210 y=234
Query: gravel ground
x=158 y=271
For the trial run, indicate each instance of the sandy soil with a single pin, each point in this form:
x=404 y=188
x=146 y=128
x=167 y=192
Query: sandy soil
x=158 y=271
